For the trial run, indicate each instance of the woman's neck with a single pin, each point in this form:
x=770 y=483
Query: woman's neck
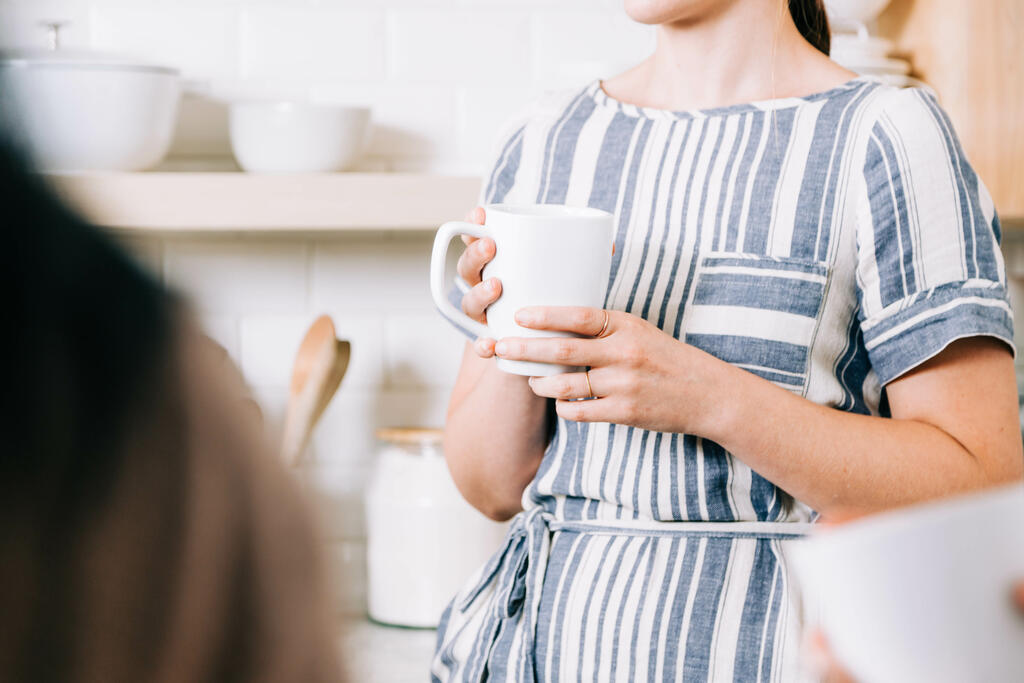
x=742 y=52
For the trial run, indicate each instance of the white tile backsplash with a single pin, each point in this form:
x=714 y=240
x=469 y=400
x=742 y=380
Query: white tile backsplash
x=292 y=42
x=366 y=334
x=269 y=344
x=257 y=296
x=239 y=276
x=411 y=121
x=413 y=407
x=483 y=112
x=20 y=23
x=345 y=435
x=574 y=46
x=465 y=46
x=201 y=40
x=337 y=492
x=367 y=273
x=411 y=338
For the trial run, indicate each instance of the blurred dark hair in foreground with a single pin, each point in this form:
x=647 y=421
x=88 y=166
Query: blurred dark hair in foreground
x=145 y=532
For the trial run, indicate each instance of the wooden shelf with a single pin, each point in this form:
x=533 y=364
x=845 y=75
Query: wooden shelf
x=240 y=202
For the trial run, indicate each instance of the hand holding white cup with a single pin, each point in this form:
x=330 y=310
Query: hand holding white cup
x=520 y=256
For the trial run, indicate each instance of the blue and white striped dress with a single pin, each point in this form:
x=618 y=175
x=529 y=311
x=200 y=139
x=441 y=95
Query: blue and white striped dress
x=827 y=244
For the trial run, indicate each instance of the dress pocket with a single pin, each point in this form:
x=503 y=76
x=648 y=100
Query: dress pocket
x=757 y=312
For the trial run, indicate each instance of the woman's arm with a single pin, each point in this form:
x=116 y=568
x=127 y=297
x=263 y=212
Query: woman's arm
x=497 y=428
x=954 y=422
x=954 y=427
x=495 y=436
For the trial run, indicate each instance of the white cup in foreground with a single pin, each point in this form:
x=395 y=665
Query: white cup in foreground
x=922 y=594
x=546 y=255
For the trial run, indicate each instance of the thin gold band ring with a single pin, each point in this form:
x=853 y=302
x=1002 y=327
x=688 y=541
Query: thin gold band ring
x=590 y=389
x=604 y=328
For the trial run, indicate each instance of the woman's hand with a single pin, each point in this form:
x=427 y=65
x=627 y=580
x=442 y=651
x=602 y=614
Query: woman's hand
x=640 y=375
x=479 y=252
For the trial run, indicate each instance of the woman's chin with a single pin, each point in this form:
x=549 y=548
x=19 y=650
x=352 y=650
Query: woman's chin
x=654 y=12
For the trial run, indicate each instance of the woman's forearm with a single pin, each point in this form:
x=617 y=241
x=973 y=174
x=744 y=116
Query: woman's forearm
x=954 y=424
x=841 y=463
x=495 y=436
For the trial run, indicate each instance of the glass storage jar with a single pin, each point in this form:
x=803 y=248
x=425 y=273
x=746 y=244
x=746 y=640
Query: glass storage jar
x=424 y=541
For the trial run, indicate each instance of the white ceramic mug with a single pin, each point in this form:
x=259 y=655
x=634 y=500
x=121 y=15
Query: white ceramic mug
x=546 y=255
x=922 y=594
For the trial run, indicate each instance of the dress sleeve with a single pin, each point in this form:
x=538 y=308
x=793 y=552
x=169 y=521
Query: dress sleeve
x=504 y=163
x=929 y=267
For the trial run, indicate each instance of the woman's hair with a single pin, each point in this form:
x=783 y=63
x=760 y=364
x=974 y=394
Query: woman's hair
x=812 y=22
x=145 y=534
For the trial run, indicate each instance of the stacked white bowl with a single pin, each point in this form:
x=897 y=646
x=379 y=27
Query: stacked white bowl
x=870 y=56
x=854 y=47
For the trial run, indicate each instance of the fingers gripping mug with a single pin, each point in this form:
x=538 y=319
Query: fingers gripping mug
x=546 y=255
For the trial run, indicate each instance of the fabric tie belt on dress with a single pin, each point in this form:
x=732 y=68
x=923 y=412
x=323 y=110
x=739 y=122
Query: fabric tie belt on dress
x=520 y=565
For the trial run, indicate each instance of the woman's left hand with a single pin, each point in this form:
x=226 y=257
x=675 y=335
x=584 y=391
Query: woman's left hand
x=640 y=375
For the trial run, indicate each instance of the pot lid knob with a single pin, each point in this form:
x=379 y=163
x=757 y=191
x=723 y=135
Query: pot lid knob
x=53 y=29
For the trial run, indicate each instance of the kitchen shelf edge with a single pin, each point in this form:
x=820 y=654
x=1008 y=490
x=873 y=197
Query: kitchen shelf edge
x=240 y=202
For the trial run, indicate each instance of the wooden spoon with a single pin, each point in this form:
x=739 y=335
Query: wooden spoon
x=320 y=365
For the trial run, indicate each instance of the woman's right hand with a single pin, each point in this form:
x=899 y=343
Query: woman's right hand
x=479 y=252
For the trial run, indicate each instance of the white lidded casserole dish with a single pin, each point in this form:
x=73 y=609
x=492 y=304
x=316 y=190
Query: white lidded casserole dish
x=86 y=111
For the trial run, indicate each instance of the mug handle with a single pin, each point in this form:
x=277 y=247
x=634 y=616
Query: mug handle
x=439 y=258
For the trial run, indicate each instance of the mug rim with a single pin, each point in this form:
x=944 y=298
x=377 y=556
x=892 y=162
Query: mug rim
x=546 y=211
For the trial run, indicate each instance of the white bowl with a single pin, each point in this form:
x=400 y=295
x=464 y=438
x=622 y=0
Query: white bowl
x=861 y=45
x=854 y=11
x=868 y=65
x=922 y=593
x=89 y=113
x=291 y=137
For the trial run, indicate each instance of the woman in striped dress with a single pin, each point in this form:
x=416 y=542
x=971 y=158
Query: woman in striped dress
x=806 y=314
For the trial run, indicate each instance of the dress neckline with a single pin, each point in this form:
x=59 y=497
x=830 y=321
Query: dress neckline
x=596 y=91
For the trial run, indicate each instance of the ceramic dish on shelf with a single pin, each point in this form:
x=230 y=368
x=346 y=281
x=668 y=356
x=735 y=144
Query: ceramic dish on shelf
x=296 y=137
x=864 y=46
x=898 y=67
x=856 y=13
x=86 y=111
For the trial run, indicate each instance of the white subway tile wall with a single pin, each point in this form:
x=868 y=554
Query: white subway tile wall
x=241 y=275
x=196 y=39
x=256 y=297
x=437 y=45
x=319 y=43
x=441 y=76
